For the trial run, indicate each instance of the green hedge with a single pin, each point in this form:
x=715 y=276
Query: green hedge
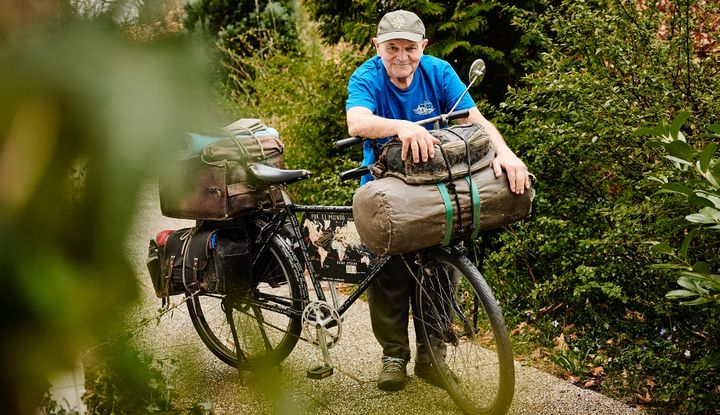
x=582 y=267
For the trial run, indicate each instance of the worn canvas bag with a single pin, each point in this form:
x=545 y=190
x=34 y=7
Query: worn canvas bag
x=393 y=217
x=461 y=151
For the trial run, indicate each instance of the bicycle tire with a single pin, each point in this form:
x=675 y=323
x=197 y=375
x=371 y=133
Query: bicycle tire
x=476 y=365
x=265 y=337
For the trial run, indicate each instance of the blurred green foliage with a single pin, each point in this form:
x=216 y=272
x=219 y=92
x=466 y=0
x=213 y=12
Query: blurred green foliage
x=243 y=28
x=85 y=116
x=121 y=380
x=246 y=26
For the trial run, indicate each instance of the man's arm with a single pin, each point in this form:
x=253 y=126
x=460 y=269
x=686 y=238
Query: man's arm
x=517 y=173
x=415 y=138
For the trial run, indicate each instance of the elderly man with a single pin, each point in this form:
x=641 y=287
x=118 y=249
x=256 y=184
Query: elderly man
x=386 y=95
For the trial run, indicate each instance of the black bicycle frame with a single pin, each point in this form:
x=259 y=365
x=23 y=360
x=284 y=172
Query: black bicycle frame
x=288 y=212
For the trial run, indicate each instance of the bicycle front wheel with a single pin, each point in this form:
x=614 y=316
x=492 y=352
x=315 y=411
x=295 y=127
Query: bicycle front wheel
x=265 y=319
x=466 y=334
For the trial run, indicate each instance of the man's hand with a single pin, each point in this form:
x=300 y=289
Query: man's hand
x=418 y=140
x=517 y=173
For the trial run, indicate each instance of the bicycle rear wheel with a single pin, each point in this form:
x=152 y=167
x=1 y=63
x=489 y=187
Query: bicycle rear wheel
x=266 y=318
x=468 y=339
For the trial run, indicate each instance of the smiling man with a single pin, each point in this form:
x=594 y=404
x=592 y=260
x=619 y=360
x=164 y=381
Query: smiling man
x=386 y=95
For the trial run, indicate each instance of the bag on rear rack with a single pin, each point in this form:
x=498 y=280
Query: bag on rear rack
x=210 y=260
x=210 y=179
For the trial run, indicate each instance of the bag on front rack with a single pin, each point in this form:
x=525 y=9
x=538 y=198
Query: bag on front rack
x=211 y=260
x=459 y=145
x=210 y=179
x=393 y=217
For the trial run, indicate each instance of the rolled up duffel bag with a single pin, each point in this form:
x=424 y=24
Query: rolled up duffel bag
x=459 y=145
x=393 y=217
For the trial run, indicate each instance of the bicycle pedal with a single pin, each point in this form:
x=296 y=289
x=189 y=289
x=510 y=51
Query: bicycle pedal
x=320 y=372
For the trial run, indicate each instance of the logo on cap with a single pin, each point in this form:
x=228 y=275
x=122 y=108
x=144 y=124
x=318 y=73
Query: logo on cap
x=398 y=22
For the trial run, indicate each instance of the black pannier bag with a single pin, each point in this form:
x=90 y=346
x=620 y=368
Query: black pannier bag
x=210 y=260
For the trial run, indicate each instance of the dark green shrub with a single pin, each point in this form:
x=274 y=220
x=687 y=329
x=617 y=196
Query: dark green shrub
x=581 y=266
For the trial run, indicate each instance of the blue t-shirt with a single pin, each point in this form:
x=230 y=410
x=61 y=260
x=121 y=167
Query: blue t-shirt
x=434 y=89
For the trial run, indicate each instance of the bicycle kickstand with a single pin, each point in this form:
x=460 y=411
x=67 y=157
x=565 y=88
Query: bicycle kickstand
x=326 y=369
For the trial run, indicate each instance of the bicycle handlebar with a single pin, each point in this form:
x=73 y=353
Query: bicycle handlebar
x=347 y=142
x=351 y=141
x=355 y=173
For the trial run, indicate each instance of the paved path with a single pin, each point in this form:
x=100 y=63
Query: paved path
x=201 y=377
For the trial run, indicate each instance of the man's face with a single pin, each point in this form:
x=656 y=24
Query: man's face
x=400 y=56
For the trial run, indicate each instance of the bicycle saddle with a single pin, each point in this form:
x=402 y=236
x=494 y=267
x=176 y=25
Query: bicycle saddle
x=273 y=175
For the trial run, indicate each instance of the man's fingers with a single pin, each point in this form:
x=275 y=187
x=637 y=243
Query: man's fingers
x=497 y=168
x=512 y=179
x=519 y=183
x=423 y=150
x=415 y=151
x=404 y=151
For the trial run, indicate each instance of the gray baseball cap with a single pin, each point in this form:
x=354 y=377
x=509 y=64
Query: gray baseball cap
x=400 y=24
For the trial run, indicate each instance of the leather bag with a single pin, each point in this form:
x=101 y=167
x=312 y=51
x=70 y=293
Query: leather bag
x=213 y=182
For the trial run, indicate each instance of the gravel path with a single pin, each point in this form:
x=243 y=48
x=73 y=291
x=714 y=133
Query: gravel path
x=351 y=390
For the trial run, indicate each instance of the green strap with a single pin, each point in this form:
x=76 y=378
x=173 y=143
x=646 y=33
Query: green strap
x=475 y=197
x=448 y=212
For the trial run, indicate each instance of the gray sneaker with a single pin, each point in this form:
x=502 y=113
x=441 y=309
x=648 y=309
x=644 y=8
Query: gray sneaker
x=393 y=374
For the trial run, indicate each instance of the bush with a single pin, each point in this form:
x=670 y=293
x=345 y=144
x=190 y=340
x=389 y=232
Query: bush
x=580 y=267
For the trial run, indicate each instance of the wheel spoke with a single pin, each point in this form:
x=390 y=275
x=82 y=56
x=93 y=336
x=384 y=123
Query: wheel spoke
x=458 y=307
x=258 y=328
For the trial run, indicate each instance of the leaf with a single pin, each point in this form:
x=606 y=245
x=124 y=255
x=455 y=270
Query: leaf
x=656 y=131
x=663 y=248
x=686 y=242
x=677 y=294
x=676 y=188
x=678 y=122
x=700 y=217
x=560 y=343
x=706 y=155
x=700 y=201
x=697 y=301
x=710 y=197
x=680 y=149
x=699 y=283
x=711 y=177
x=668 y=266
x=681 y=161
x=702 y=268
x=647 y=398
x=715 y=128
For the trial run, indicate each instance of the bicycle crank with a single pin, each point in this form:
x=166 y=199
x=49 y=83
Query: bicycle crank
x=322 y=327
